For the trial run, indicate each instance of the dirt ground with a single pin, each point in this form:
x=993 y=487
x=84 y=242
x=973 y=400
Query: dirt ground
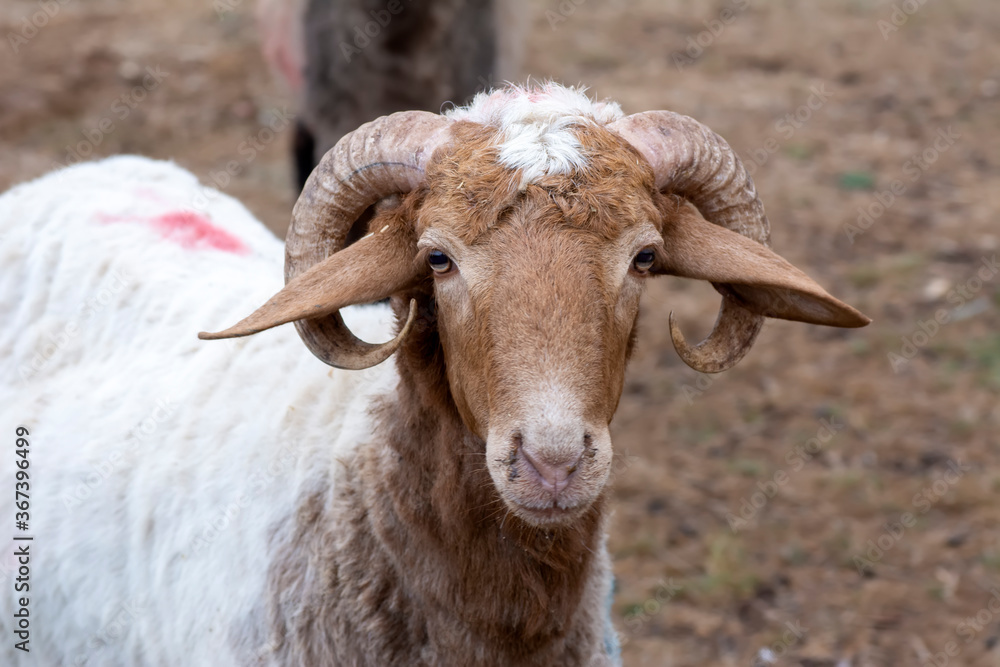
x=832 y=501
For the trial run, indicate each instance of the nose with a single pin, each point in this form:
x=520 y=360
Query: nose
x=553 y=467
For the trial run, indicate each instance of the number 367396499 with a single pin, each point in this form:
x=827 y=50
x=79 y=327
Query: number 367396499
x=21 y=485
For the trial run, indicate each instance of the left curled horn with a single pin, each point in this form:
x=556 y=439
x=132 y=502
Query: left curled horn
x=690 y=160
x=384 y=157
x=732 y=249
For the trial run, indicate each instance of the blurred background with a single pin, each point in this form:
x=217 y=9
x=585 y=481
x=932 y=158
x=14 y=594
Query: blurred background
x=832 y=501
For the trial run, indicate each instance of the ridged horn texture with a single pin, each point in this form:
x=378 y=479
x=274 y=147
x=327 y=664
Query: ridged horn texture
x=692 y=161
x=340 y=280
x=380 y=158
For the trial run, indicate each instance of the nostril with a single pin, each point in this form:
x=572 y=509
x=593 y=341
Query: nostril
x=554 y=471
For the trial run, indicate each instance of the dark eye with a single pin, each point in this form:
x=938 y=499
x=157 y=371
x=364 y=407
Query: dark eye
x=644 y=260
x=439 y=261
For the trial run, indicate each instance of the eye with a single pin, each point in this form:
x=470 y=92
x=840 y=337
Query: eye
x=439 y=261
x=644 y=260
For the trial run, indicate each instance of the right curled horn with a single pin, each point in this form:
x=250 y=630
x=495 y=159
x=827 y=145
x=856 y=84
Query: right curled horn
x=384 y=157
x=730 y=250
x=691 y=161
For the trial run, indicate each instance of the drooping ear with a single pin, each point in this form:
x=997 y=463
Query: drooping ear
x=371 y=269
x=758 y=278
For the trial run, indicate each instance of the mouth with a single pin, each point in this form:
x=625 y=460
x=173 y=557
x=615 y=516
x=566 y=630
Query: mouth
x=552 y=485
x=547 y=515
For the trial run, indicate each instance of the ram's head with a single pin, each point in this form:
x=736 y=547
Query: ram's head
x=528 y=224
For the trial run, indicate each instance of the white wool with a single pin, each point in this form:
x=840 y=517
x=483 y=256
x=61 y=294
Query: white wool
x=136 y=426
x=537 y=127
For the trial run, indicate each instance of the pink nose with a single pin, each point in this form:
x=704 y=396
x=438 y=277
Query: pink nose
x=553 y=471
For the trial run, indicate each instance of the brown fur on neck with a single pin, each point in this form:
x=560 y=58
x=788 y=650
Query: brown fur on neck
x=417 y=537
x=440 y=488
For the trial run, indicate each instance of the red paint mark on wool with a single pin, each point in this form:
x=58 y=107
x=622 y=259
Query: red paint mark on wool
x=188 y=229
x=194 y=231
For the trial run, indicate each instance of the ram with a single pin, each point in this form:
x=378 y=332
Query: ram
x=446 y=506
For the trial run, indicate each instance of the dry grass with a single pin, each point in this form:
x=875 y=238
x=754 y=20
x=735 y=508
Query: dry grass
x=695 y=587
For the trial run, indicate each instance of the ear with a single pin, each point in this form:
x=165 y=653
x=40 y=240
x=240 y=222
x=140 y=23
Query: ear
x=759 y=279
x=371 y=269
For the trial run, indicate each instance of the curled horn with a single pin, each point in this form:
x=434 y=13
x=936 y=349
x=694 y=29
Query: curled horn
x=380 y=158
x=691 y=161
x=384 y=157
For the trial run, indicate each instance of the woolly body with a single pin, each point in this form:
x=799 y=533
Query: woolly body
x=180 y=489
x=140 y=449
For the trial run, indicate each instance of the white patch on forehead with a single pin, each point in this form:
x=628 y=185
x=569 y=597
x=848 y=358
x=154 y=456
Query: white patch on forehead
x=537 y=127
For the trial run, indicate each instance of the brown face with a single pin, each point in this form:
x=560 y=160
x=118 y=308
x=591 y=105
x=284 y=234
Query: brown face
x=537 y=281
x=536 y=310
